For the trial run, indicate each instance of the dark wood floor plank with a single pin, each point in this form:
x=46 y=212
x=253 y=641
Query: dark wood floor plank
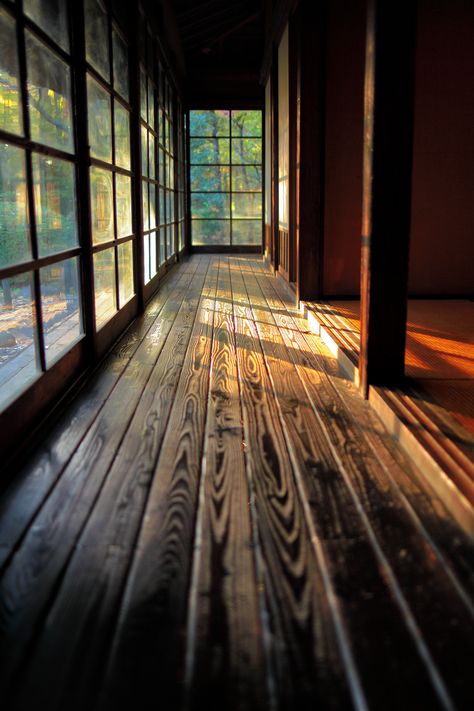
x=65 y=668
x=32 y=484
x=419 y=581
x=220 y=513
x=148 y=646
x=36 y=568
x=347 y=551
x=304 y=657
x=225 y=667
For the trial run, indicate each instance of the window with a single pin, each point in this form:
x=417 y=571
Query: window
x=283 y=132
x=70 y=186
x=226 y=177
x=40 y=256
x=110 y=175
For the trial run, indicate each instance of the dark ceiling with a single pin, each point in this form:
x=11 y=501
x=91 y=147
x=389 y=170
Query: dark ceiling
x=223 y=45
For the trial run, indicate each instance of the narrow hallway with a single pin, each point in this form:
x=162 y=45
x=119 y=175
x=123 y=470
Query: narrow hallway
x=218 y=520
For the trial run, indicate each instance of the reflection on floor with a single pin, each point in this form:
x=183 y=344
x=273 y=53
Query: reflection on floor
x=220 y=521
x=439 y=353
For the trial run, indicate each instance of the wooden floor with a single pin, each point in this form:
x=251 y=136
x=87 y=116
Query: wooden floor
x=218 y=521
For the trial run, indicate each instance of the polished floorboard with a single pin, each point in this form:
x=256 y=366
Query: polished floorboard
x=218 y=521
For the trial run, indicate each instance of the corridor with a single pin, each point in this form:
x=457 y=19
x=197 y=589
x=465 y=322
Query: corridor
x=219 y=521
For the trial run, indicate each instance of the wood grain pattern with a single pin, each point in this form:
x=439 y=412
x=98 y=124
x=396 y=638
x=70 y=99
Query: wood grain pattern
x=55 y=452
x=226 y=523
x=147 y=647
x=301 y=648
x=39 y=564
x=391 y=534
x=224 y=649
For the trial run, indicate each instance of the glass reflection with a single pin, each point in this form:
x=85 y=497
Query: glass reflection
x=99 y=121
x=125 y=257
x=55 y=204
x=101 y=205
x=123 y=186
x=19 y=361
x=104 y=286
x=61 y=311
x=49 y=96
x=11 y=118
x=14 y=229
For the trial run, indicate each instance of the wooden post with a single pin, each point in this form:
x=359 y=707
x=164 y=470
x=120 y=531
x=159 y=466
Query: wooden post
x=309 y=168
x=274 y=249
x=135 y=147
x=387 y=167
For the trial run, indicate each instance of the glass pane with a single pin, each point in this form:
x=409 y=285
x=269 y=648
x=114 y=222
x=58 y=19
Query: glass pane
x=120 y=59
x=55 y=204
x=170 y=240
x=152 y=193
x=144 y=150
x=146 y=258
x=49 y=96
x=205 y=178
x=101 y=205
x=51 y=16
x=60 y=300
x=162 y=207
x=123 y=185
x=122 y=136
x=214 y=232
x=246 y=123
x=104 y=286
x=143 y=96
x=18 y=347
x=153 y=265
x=145 y=206
x=97 y=38
x=246 y=232
x=14 y=242
x=161 y=167
x=160 y=131
x=209 y=123
x=99 y=121
x=151 y=106
x=11 y=118
x=246 y=178
x=125 y=257
x=151 y=156
x=162 y=246
x=246 y=150
x=246 y=205
x=210 y=150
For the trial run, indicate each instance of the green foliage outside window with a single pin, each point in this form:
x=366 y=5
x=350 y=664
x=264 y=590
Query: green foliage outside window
x=226 y=176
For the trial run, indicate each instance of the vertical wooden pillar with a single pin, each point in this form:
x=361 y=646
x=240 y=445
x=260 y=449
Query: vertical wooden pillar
x=387 y=167
x=275 y=257
x=83 y=177
x=309 y=164
x=293 y=27
x=135 y=147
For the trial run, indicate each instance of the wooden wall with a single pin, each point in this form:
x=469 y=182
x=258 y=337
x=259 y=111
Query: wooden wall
x=442 y=231
x=346 y=26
